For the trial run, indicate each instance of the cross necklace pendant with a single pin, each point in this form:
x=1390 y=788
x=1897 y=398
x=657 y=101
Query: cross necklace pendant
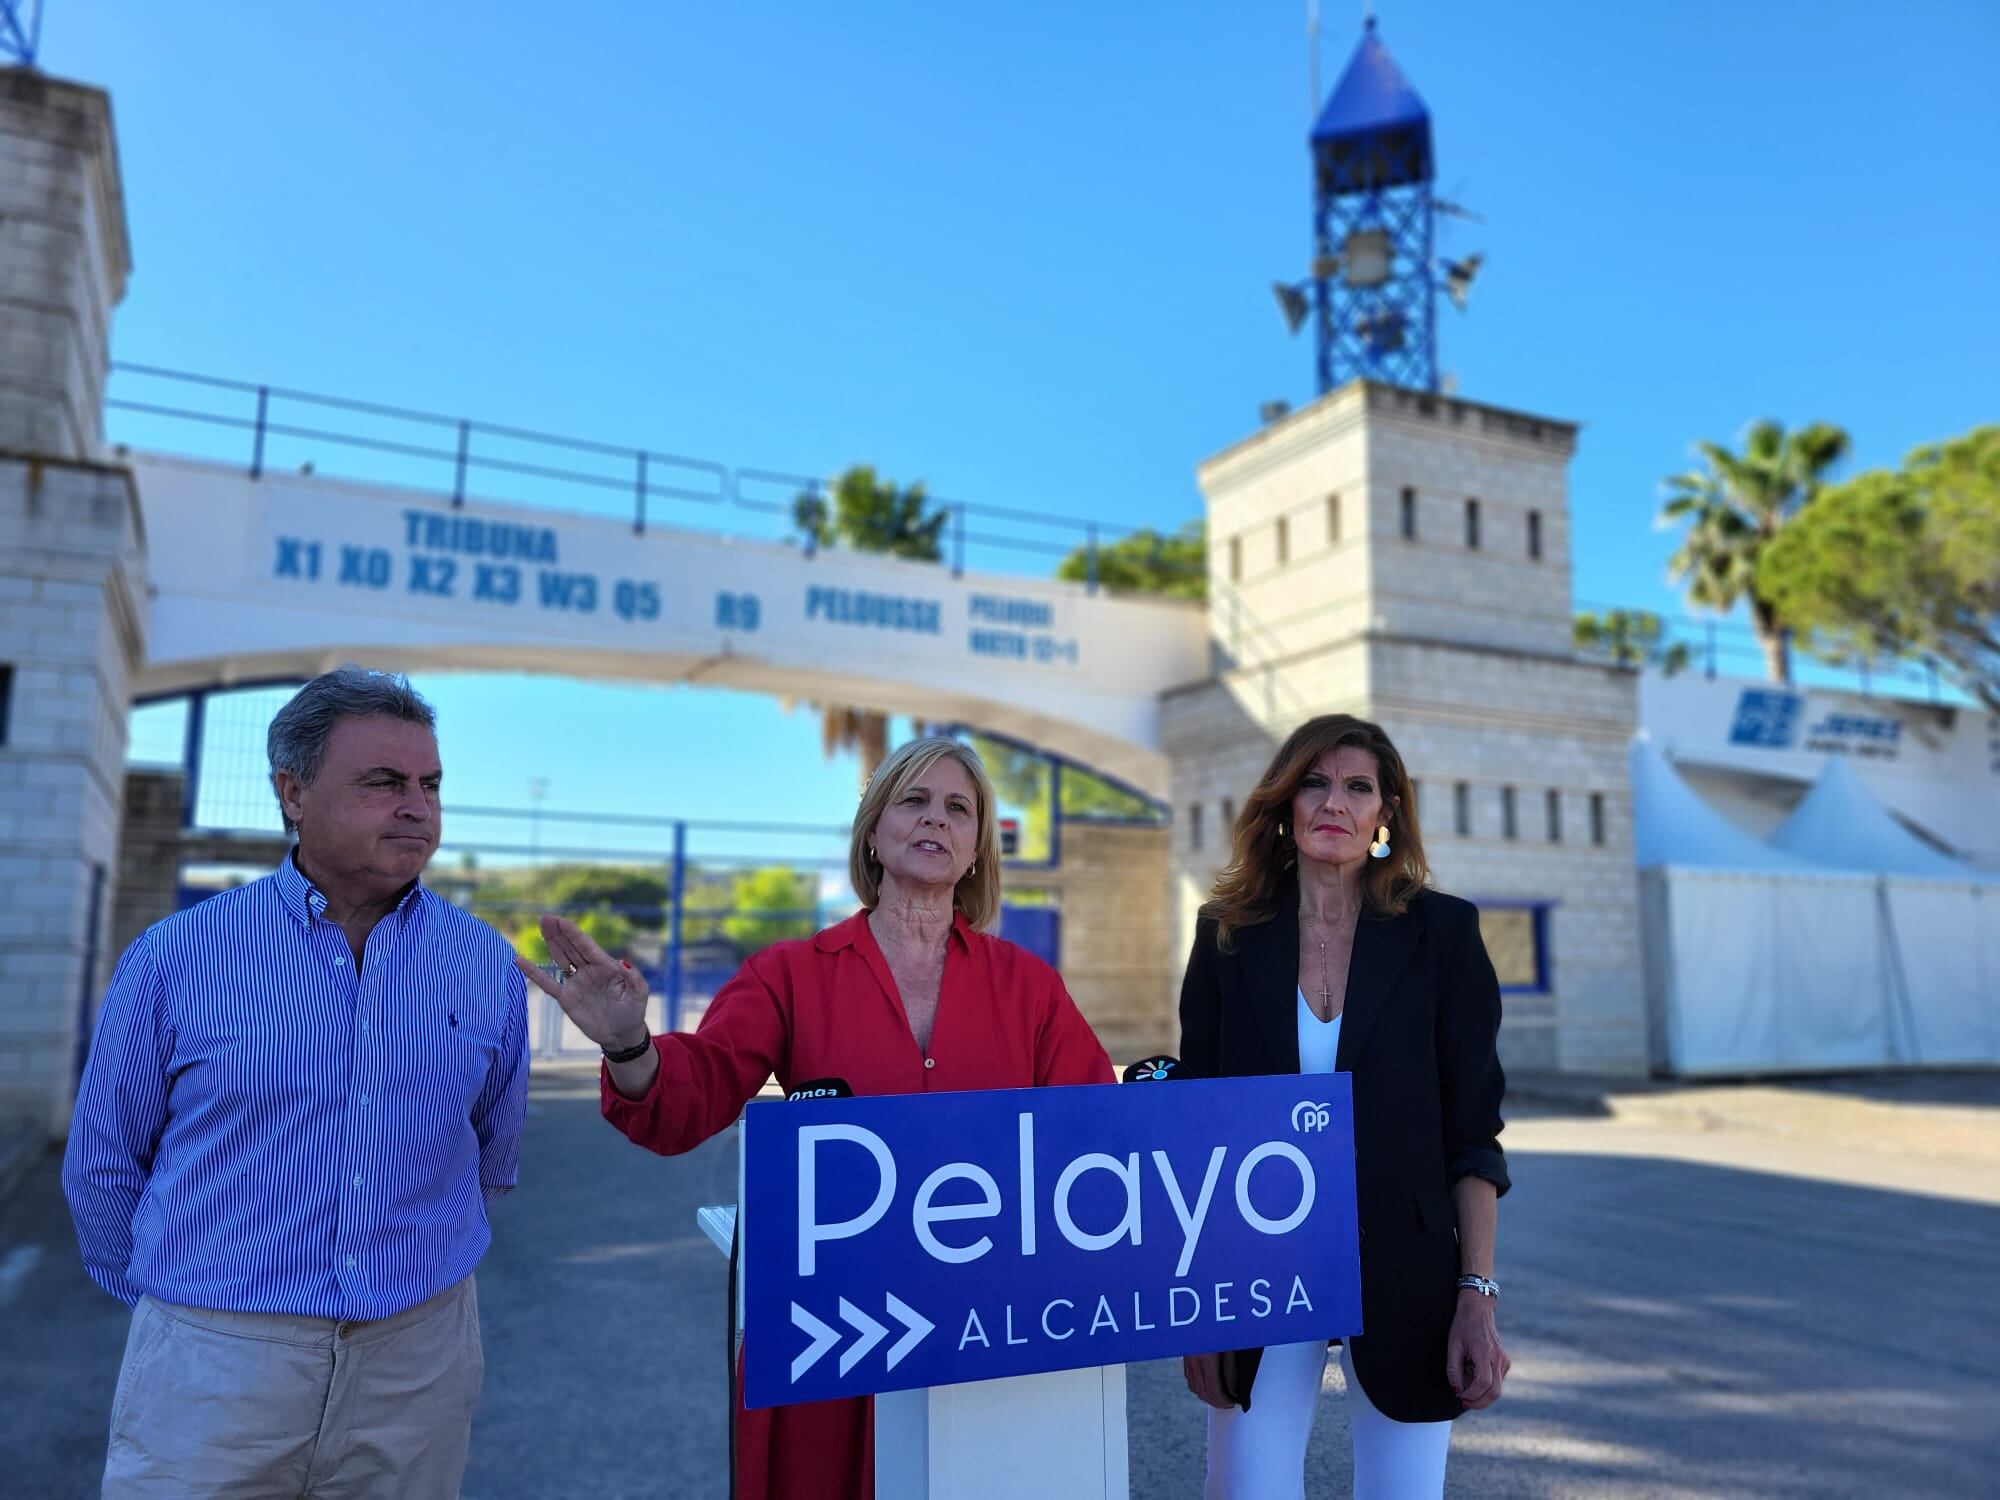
x=1324 y=1010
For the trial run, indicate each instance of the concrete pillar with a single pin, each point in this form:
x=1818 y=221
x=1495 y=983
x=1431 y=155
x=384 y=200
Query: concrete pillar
x=71 y=639
x=72 y=586
x=64 y=259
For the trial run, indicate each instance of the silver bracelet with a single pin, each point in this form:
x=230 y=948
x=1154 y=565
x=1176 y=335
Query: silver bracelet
x=1486 y=1286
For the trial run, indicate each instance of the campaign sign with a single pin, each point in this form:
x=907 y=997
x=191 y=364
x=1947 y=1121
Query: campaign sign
x=916 y=1240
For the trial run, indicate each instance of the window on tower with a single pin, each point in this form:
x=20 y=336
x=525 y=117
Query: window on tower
x=1534 y=534
x=1472 y=524
x=1236 y=559
x=1509 y=825
x=1332 y=519
x=1409 y=513
x=1284 y=541
x=1461 y=810
x=1516 y=935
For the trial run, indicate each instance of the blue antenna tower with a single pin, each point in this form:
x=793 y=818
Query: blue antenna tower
x=1372 y=293
x=20 y=31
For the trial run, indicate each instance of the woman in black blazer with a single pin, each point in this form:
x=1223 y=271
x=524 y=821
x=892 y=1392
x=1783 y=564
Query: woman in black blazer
x=1323 y=948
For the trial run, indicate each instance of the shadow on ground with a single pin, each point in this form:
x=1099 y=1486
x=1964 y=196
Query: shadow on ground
x=1678 y=1330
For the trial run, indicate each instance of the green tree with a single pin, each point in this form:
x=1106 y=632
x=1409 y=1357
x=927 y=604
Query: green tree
x=607 y=929
x=760 y=897
x=616 y=904
x=1735 y=504
x=1903 y=563
x=867 y=514
x=1147 y=562
x=1629 y=637
x=708 y=897
x=634 y=886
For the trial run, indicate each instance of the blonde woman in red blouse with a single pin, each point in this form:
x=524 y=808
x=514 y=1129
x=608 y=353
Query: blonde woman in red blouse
x=910 y=995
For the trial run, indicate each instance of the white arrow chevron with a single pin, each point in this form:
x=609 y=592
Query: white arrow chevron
x=871 y=1334
x=916 y=1322
x=823 y=1339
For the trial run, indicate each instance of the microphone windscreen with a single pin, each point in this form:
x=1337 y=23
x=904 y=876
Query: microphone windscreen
x=822 y=1088
x=1152 y=1069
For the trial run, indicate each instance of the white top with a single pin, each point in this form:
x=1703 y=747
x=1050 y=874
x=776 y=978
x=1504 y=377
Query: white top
x=1319 y=1041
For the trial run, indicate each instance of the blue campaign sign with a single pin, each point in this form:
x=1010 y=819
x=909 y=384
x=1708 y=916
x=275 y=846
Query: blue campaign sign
x=919 y=1240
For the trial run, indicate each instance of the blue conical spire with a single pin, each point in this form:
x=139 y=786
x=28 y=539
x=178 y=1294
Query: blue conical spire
x=1374 y=299
x=1374 y=118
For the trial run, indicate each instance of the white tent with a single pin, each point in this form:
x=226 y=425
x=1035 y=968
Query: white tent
x=1673 y=825
x=1840 y=823
x=1762 y=958
x=1942 y=916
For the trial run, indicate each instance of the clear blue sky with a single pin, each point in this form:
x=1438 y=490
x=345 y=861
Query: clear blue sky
x=1024 y=253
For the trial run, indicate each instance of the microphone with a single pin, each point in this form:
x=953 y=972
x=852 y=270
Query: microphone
x=821 y=1088
x=812 y=1088
x=1153 y=1069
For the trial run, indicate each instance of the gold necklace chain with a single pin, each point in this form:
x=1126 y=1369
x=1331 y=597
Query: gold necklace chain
x=1325 y=1010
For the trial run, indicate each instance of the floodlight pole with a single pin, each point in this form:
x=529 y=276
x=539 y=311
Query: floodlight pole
x=20 y=31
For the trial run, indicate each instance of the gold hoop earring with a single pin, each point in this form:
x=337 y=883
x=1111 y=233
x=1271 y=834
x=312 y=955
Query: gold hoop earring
x=1281 y=828
x=972 y=869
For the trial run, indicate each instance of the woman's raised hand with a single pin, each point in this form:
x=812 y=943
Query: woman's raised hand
x=606 y=998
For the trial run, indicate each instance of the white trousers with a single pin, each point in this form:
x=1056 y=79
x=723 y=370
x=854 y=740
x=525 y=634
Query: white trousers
x=1261 y=1454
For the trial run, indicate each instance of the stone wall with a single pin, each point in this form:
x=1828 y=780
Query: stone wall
x=71 y=636
x=149 y=854
x=64 y=260
x=1117 y=934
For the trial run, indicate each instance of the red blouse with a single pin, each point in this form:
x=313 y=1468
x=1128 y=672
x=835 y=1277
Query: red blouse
x=827 y=1007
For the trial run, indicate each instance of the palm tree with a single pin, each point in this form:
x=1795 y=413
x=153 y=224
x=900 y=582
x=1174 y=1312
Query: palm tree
x=1629 y=637
x=1737 y=503
x=867 y=514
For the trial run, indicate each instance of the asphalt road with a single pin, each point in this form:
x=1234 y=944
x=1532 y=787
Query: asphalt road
x=1776 y=1292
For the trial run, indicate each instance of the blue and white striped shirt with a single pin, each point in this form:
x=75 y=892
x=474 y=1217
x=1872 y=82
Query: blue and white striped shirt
x=262 y=1129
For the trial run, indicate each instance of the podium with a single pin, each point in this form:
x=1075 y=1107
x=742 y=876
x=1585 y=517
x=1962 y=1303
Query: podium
x=1055 y=1434
x=985 y=1263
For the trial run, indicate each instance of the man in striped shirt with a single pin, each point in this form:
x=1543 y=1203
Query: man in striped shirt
x=303 y=1095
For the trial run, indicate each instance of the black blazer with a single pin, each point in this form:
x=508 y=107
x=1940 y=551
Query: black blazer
x=1420 y=1026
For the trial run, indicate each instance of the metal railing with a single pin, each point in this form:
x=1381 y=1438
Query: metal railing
x=1718 y=646
x=451 y=455
x=461 y=458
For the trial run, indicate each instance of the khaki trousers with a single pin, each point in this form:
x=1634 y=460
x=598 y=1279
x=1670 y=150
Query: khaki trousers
x=255 y=1406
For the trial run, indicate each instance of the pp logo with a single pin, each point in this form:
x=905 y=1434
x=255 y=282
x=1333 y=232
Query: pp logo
x=1308 y=1117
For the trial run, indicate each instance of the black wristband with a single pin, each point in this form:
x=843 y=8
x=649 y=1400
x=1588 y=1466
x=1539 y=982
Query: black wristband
x=629 y=1054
